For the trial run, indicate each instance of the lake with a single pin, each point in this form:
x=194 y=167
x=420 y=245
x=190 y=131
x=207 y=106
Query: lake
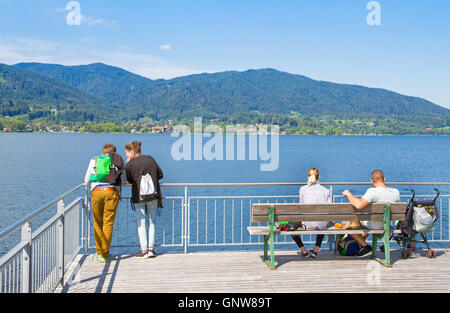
x=38 y=167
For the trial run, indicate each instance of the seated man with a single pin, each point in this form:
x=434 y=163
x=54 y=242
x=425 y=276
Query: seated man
x=379 y=194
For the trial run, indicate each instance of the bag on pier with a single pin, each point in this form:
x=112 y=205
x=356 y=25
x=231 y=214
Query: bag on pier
x=347 y=246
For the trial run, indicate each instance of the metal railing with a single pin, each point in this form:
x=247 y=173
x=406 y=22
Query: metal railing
x=190 y=219
x=39 y=261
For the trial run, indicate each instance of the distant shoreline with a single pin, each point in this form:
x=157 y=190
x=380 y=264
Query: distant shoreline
x=168 y=134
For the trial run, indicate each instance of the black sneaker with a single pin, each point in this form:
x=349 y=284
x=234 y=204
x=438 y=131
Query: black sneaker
x=151 y=253
x=312 y=254
x=305 y=254
x=366 y=250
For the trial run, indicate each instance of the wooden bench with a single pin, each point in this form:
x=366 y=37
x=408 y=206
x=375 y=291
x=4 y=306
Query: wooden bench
x=330 y=212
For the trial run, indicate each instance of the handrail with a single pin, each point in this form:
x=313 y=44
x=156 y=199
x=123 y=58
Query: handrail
x=297 y=184
x=4 y=233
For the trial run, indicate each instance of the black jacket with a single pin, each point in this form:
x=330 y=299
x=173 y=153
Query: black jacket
x=139 y=167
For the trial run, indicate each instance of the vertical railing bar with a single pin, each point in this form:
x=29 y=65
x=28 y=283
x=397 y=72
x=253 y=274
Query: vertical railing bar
x=186 y=212
x=197 y=220
x=44 y=263
x=45 y=280
x=9 y=277
x=224 y=225
x=242 y=218
x=49 y=264
x=440 y=223
x=232 y=220
x=173 y=224
x=14 y=274
x=39 y=263
x=215 y=220
x=206 y=223
x=54 y=258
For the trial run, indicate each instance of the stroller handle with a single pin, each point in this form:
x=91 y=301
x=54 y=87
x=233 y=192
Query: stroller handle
x=437 y=194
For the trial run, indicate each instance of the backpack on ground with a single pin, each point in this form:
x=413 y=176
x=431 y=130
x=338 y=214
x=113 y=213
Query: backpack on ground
x=102 y=169
x=147 y=191
x=347 y=246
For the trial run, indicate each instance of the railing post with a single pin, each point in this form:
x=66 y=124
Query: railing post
x=330 y=238
x=60 y=241
x=85 y=222
x=26 y=259
x=186 y=212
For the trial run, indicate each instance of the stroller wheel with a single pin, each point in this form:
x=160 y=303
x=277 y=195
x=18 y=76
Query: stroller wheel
x=430 y=254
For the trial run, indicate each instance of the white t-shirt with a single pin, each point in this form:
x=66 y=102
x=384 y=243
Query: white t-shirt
x=380 y=195
x=315 y=193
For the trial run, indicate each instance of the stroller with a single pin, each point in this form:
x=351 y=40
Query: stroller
x=419 y=219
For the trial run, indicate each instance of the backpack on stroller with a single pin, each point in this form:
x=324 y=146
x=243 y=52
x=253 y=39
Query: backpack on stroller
x=419 y=219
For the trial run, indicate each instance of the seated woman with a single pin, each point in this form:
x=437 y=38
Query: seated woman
x=313 y=193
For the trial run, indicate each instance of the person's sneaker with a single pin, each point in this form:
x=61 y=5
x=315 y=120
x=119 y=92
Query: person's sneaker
x=151 y=253
x=105 y=260
x=312 y=254
x=141 y=254
x=366 y=250
x=305 y=254
x=113 y=257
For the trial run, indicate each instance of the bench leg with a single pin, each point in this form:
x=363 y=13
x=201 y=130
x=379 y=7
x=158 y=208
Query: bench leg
x=374 y=246
x=266 y=238
x=271 y=263
x=387 y=250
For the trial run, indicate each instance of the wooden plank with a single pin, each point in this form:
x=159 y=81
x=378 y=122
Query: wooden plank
x=239 y=272
x=264 y=231
x=326 y=217
x=329 y=208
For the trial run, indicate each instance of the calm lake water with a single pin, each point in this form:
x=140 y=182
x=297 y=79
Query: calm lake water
x=36 y=168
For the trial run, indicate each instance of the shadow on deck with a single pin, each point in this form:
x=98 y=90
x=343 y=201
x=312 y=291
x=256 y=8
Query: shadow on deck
x=245 y=272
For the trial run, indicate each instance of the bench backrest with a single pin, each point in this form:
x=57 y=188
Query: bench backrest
x=296 y=212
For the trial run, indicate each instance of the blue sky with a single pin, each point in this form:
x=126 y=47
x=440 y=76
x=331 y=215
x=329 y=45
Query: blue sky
x=326 y=40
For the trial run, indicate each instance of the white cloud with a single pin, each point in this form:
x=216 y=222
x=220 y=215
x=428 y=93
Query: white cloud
x=92 y=21
x=165 y=47
x=30 y=50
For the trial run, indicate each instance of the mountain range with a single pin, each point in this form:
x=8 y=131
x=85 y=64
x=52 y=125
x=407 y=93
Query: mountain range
x=99 y=92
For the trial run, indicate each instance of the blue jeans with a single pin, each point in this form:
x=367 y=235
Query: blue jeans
x=146 y=217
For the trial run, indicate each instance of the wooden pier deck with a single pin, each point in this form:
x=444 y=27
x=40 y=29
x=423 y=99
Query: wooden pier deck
x=224 y=272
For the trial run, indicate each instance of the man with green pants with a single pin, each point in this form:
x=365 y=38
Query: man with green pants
x=105 y=197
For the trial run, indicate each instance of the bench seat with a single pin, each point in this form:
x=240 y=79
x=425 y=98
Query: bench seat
x=265 y=231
